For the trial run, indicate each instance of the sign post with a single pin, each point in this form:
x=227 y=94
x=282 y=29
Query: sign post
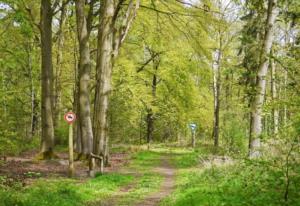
x=193 y=127
x=70 y=117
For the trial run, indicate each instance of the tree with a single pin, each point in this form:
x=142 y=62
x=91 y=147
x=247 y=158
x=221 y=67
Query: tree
x=59 y=65
x=84 y=27
x=110 y=37
x=155 y=59
x=260 y=85
x=47 y=141
x=274 y=98
x=216 y=89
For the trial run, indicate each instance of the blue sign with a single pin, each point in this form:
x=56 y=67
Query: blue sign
x=193 y=126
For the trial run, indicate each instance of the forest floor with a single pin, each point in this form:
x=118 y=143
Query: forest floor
x=162 y=176
x=25 y=167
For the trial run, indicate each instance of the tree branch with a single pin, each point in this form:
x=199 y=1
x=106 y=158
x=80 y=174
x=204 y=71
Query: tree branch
x=122 y=31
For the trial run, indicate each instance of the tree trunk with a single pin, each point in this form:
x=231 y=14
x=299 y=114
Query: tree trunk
x=216 y=89
x=141 y=127
x=150 y=115
x=47 y=140
x=59 y=62
x=76 y=125
x=150 y=127
x=86 y=134
x=110 y=38
x=274 y=98
x=34 y=102
x=103 y=78
x=285 y=98
x=260 y=87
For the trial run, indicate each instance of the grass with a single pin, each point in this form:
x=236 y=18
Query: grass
x=148 y=181
x=243 y=184
x=62 y=192
x=74 y=192
x=145 y=160
x=146 y=184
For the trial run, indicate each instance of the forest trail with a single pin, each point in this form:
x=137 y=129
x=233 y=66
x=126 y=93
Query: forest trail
x=168 y=172
x=164 y=169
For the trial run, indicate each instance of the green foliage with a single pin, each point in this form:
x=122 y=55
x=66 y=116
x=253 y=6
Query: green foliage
x=32 y=174
x=61 y=134
x=187 y=160
x=182 y=91
x=10 y=145
x=234 y=135
x=240 y=184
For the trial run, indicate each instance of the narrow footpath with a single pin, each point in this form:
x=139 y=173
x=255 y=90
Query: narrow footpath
x=167 y=186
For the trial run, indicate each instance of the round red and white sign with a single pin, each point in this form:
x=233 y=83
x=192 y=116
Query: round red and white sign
x=70 y=117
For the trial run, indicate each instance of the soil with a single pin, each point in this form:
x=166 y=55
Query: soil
x=165 y=169
x=25 y=168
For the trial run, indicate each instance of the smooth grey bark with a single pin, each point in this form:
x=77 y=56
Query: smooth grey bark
x=216 y=90
x=59 y=64
x=110 y=38
x=47 y=139
x=85 y=123
x=287 y=43
x=260 y=87
x=76 y=127
x=274 y=98
x=285 y=111
x=103 y=77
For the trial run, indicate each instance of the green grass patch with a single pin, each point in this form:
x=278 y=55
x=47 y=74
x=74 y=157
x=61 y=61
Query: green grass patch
x=72 y=192
x=147 y=181
x=238 y=185
x=63 y=192
x=146 y=184
x=145 y=160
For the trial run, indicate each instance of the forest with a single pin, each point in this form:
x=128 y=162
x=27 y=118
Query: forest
x=149 y=103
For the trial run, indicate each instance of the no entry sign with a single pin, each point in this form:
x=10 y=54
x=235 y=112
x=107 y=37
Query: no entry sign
x=70 y=117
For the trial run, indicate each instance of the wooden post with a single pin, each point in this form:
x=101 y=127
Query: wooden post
x=70 y=118
x=193 y=139
x=71 y=155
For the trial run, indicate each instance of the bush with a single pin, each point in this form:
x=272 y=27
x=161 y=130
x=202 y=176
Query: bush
x=234 y=135
x=61 y=135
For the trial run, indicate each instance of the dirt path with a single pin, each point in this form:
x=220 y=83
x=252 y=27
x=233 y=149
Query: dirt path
x=167 y=186
x=153 y=199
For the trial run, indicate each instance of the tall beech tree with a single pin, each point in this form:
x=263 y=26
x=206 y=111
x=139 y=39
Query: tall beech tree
x=216 y=90
x=260 y=85
x=84 y=26
x=113 y=29
x=47 y=139
x=275 y=112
